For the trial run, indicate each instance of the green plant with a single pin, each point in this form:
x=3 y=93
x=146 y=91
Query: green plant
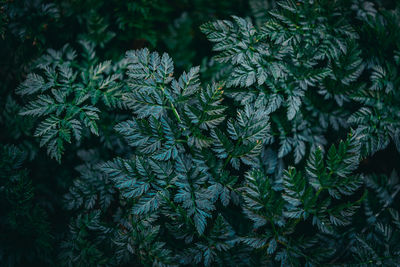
x=281 y=149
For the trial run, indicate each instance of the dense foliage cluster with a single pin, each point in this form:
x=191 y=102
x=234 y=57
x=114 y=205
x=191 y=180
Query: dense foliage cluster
x=267 y=133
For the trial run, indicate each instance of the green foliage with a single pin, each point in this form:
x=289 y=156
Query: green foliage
x=68 y=95
x=291 y=63
x=280 y=150
x=278 y=208
x=379 y=114
x=378 y=240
